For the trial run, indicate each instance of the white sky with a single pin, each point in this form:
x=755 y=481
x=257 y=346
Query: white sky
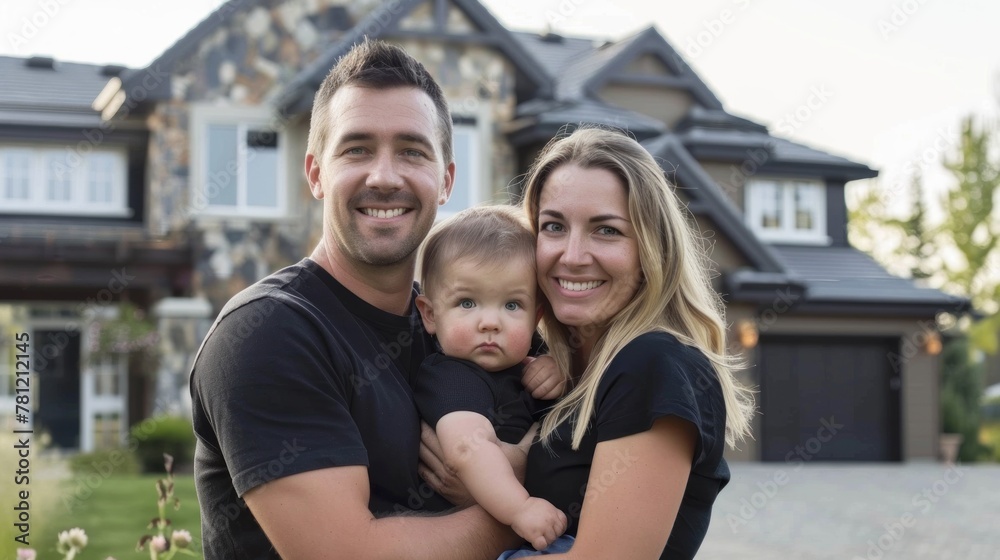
x=899 y=74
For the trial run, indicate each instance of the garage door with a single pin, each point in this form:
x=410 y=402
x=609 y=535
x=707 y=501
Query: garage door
x=828 y=399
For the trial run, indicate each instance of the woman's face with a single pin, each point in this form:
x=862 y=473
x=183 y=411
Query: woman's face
x=588 y=255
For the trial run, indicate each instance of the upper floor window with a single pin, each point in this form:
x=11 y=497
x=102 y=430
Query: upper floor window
x=239 y=164
x=465 y=192
x=791 y=211
x=63 y=181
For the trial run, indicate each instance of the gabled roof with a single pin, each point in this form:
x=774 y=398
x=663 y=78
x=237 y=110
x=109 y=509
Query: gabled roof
x=709 y=200
x=716 y=134
x=838 y=275
x=581 y=72
x=40 y=91
x=539 y=120
x=297 y=94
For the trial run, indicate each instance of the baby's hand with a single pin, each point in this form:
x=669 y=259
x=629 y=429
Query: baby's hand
x=542 y=378
x=539 y=523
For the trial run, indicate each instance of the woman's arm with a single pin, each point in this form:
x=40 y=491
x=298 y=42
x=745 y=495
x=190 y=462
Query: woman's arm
x=472 y=450
x=634 y=492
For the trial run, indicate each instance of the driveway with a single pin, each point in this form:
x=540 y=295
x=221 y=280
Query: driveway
x=851 y=512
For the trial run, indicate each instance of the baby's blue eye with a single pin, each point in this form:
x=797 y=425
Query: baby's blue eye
x=512 y=306
x=466 y=304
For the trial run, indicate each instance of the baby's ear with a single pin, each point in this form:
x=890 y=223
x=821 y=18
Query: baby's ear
x=426 y=313
x=539 y=311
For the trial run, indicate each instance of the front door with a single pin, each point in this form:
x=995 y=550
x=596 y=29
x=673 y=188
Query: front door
x=56 y=361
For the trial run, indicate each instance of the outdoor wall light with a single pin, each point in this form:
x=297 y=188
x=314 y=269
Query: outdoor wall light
x=932 y=343
x=746 y=333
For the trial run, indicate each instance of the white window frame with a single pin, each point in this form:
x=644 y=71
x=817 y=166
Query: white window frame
x=787 y=233
x=78 y=167
x=245 y=119
x=473 y=170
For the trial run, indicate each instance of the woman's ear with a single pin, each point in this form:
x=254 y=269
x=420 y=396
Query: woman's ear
x=426 y=313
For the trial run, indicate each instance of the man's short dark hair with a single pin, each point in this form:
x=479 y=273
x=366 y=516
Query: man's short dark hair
x=379 y=65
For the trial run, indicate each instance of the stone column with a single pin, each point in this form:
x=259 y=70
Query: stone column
x=182 y=324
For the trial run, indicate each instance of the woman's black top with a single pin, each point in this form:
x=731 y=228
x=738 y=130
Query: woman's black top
x=653 y=376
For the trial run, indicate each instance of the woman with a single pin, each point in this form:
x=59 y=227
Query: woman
x=633 y=453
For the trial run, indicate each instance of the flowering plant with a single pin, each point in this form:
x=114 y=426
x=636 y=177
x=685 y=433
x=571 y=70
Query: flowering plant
x=160 y=547
x=73 y=541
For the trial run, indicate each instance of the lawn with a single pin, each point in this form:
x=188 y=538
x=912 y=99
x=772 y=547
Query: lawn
x=116 y=514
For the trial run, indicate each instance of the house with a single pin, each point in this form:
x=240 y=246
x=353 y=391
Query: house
x=175 y=186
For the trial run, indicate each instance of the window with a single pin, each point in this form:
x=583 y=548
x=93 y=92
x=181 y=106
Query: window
x=464 y=193
x=63 y=181
x=240 y=164
x=787 y=211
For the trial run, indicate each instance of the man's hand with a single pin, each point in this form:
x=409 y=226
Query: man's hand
x=436 y=473
x=542 y=378
x=539 y=523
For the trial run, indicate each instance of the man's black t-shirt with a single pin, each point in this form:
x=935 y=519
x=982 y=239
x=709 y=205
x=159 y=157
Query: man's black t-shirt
x=444 y=385
x=299 y=374
x=651 y=377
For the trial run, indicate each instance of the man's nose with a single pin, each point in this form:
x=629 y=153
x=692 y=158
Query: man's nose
x=384 y=172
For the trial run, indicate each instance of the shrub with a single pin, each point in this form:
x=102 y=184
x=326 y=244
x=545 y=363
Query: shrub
x=121 y=461
x=961 y=394
x=163 y=434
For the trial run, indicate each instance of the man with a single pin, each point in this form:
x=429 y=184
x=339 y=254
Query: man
x=308 y=437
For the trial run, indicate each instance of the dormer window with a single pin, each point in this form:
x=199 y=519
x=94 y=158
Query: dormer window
x=787 y=211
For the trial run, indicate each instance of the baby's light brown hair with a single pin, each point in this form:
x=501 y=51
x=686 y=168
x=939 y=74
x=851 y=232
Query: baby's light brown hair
x=487 y=235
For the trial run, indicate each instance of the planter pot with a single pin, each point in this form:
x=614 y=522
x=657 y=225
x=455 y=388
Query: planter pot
x=949 y=447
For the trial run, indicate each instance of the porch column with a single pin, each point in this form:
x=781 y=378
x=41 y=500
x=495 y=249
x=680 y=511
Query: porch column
x=182 y=324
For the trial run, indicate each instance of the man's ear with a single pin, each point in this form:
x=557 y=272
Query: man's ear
x=312 y=176
x=449 y=182
x=426 y=313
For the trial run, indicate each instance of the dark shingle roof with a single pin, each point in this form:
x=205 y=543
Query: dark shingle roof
x=544 y=118
x=555 y=54
x=845 y=274
x=57 y=96
x=714 y=134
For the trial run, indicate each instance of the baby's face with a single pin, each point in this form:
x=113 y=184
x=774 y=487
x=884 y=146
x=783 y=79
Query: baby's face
x=484 y=314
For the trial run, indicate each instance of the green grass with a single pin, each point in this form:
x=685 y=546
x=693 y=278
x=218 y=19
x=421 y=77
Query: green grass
x=116 y=514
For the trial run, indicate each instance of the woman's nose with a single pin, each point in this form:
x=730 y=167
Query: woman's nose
x=576 y=252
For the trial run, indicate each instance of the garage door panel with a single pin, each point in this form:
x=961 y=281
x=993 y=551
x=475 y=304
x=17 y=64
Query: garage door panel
x=828 y=399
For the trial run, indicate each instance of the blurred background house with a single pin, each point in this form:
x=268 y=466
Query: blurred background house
x=174 y=186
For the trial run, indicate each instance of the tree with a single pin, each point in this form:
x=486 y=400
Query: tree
x=961 y=255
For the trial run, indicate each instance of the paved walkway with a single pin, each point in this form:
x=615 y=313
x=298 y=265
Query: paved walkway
x=850 y=512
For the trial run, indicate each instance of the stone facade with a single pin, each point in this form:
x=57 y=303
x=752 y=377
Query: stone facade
x=244 y=64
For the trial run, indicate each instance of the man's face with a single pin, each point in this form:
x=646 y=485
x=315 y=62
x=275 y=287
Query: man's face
x=381 y=174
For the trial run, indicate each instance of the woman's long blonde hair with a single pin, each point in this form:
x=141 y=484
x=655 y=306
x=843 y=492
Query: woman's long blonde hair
x=676 y=295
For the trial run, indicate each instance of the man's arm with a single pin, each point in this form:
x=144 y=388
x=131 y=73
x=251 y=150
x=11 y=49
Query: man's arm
x=471 y=449
x=324 y=514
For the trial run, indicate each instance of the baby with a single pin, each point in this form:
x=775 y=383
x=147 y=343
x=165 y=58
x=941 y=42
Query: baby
x=479 y=299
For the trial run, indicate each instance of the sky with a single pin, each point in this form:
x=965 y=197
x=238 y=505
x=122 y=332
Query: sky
x=883 y=82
